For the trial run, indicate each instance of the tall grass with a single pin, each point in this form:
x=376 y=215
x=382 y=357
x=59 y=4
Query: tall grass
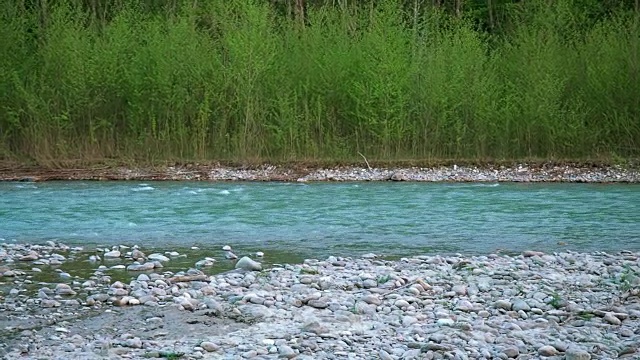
x=236 y=80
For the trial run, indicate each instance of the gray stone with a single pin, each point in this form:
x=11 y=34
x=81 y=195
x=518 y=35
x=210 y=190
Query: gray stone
x=315 y=327
x=369 y=283
x=408 y=321
x=460 y=290
x=64 y=289
x=286 y=351
x=137 y=254
x=411 y=354
x=372 y=299
x=209 y=346
x=511 y=352
x=158 y=257
x=384 y=355
x=247 y=264
x=612 y=319
x=112 y=254
x=547 y=351
x=577 y=354
x=520 y=304
x=503 y=304
x=135 y=343
x=531 y=253
x=464 y=305
x=31 y=256
x=318 y=304
x=141 y=267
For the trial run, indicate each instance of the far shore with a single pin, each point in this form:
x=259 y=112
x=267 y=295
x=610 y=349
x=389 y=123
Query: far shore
x=515 y=172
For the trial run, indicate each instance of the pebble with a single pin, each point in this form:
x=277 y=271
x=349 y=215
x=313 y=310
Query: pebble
x=135 y=343
x=612 y=319
x=520 y=305
x=577 y=354
x=547 y=350
x=511 y=352
x=503 y=304
x=209 y=346
x=286 y=351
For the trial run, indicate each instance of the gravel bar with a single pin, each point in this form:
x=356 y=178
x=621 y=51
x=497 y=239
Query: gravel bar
x=534 y=305
x=454 y=173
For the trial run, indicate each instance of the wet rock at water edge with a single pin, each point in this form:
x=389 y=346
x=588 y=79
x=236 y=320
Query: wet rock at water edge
x=113 y=254
x=138 y=255
x=206 y=262
x=31 y=256
x=141 y=267
x=158 y=257
x=247 y=263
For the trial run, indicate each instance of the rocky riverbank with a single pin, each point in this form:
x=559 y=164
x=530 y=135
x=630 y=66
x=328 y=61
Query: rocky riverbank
x=454 y=173
x=534 y=305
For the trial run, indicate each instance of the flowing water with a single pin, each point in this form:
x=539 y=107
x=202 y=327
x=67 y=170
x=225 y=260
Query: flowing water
x=321 y=219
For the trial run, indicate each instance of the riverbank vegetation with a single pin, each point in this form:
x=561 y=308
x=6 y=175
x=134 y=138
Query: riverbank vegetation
x=290 y=80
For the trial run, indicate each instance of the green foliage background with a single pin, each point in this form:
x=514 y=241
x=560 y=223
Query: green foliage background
x=240 y=79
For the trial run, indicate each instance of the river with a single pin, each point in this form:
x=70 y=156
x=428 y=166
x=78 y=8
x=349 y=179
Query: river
x=322 y=219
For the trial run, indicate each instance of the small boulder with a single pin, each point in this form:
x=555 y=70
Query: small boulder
x=113 y=254
x=547 y=350
x=158 y=257
x=31 y=256
x=65 y=290
x=247 y=264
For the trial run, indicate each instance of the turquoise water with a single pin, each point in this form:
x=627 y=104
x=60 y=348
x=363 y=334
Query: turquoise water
x=321 y=219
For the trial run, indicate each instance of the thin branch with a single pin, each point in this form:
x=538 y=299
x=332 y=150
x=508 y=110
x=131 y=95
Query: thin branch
x=365 y=160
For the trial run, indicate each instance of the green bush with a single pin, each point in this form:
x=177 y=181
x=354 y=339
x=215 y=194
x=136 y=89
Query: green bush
x=243 y=80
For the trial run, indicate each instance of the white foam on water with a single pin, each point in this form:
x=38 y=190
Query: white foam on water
x=204 y=190
x=23 y=186
x=132 y=224
x=224 y=192
x=144 y=188
x=468 y=185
